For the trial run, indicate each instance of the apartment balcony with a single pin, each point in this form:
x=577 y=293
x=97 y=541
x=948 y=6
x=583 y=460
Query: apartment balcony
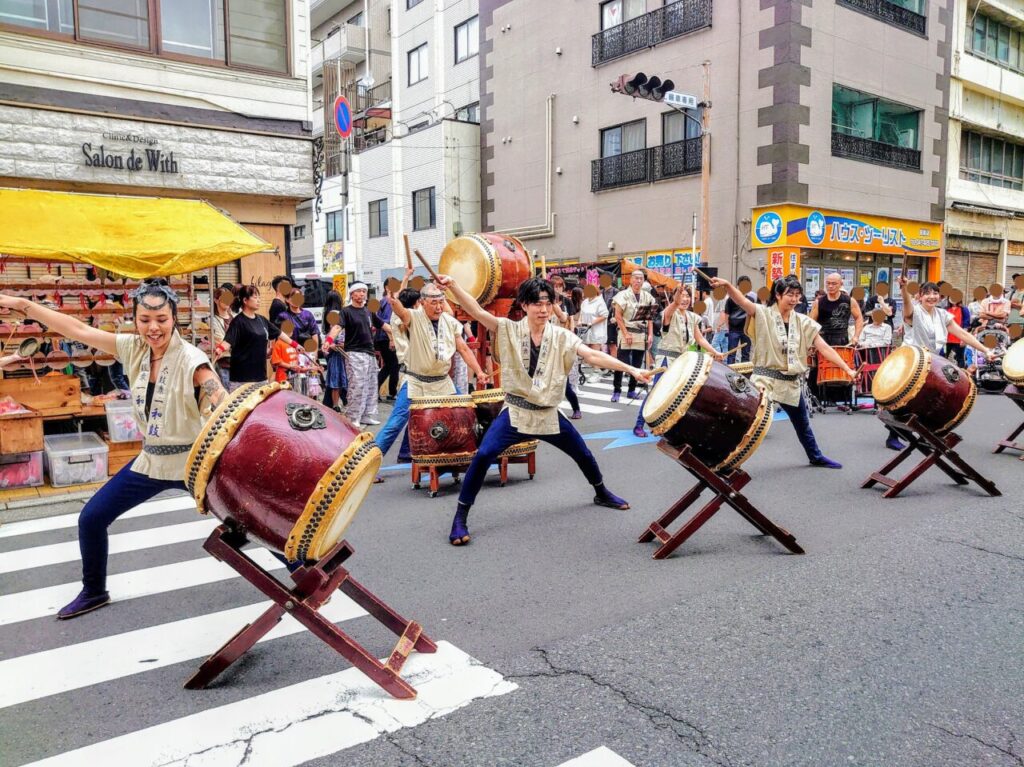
x=891 y=13
x=650 y=29
x=347 y=43
x=877 y=152
x=645 y=166
x=321 y=10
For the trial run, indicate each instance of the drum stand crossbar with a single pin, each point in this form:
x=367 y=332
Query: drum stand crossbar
x=314 y=585
x=1016 y=395
x=937 y=450
x=726 y=489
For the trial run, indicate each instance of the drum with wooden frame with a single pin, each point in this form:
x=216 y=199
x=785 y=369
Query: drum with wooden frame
x=714 y=410
x=1013 y=363
x=488 y=265
x=913 y=381
x=830 y=373
x=442 y=430
x=872 y=358
x=281 y=469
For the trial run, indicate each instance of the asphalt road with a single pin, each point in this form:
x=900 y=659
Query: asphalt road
x=897 y=639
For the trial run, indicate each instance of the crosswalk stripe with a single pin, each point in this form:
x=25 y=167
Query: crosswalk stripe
x=608 y=387
x=51 y=672
x=586 y=408
x=301 y=722
x=599 y=757
x=39 y=603
x=607 y=398
x=61 y=521
x=55 y=553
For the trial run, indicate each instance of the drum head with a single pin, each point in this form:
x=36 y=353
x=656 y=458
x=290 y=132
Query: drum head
x=1013 y=362
x=28 y=347
x=473 y=263
x=345 y=510
x=480 y=396
x=895 y=374
x=684 y=373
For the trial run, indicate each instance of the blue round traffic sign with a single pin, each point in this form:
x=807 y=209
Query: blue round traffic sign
x=342 y=117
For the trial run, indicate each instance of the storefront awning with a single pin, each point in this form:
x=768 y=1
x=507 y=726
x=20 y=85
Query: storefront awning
x=653 y=277
x=132 y=236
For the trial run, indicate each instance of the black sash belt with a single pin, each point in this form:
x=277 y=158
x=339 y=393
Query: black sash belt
x=166 y=449
x=778 y=375
x=418 y=377
x=525 y=404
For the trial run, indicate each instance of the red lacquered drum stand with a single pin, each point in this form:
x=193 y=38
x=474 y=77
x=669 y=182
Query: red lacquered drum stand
x=436 y=470
x=1016 y=395
x=726 y=488
x=937 y=450
x=314 y=586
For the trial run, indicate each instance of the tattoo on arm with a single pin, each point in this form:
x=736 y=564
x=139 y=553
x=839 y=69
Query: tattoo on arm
x=212 y=393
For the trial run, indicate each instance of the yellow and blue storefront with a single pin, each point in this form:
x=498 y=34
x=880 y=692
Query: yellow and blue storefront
x=865 y=249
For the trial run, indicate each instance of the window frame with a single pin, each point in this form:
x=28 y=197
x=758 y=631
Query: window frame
x=408 y=64
x=410 y=4
x=878 y=102
x=984 y=141
x=381 y=232
x=992 y=31
x=155 y=49
x=433 y=209
x=298 y=231
x=619 y=126
x=338 y=226
x=476 y=37
x=686 y=123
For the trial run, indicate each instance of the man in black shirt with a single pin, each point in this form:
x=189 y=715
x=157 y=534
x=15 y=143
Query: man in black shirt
x=833 y=311
x=737 y=327
x=282 y=288
x=358 y=324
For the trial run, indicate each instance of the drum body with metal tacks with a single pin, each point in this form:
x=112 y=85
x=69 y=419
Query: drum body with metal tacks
x=1013 y=363
x=488 y=403
x=488 y=265
x=913 y=381
x=710 y=408
x=830 y=373
x=442 y=430
x=872 y=358
x=283 y=470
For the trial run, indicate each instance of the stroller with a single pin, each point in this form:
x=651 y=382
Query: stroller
x=989 y=375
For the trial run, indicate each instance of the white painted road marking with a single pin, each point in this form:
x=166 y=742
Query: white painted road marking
x=599 y=757
x=305 y=721
x=62 y=521
x=587 y=408
x=40 y=603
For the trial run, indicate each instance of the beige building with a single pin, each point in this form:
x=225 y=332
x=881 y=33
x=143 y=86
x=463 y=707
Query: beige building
x=985 y=192
x=827 y=125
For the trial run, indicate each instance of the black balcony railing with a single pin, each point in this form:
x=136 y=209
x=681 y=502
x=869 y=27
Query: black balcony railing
x=644 y=166
x=371 y=97
x=878 y=152
x=891 y=13
x=645 y=31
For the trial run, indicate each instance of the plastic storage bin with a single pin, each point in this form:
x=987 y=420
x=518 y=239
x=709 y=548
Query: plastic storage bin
x=21 y=470
x=121 y=423
x=74 y=459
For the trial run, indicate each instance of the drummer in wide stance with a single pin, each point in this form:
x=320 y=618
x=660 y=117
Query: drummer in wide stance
x=174 y=390
x=535 y=357
x=782 y=339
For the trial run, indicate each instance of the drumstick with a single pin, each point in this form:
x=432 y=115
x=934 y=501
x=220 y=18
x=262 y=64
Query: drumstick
x=658 y=371
x=427 y=265
x=735 y=349
x=408 y=252
x=702 y=274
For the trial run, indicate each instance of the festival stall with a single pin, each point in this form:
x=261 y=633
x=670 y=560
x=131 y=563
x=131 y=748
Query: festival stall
x=64 y=415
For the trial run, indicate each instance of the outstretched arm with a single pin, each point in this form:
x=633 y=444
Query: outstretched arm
x=832 y=356
x=954 y=329
x=734 y=293
x=702 y=342
x=908 y=302
x=599 y=359
x=468 y=303
x=68 y=327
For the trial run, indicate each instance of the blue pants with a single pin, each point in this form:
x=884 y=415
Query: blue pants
x=720 y=341
x=502 y=435
x=640 y=415
x=122 y=492
x=801 y=421
x=397 y=421
x=734 y=340
x=570 y=395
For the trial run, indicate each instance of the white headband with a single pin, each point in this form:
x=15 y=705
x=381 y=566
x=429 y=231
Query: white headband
x=357 y=286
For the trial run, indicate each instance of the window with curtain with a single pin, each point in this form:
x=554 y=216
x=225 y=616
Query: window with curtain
x=614 y=12
x=995 y=42
x=675 y=126
x=624 y=138
x=49 y=15
x=122 y=22
x=379 y=218
x=419 y=66
x=467 y=43
x=193 y=27
x=991 y=160
x=423 y=209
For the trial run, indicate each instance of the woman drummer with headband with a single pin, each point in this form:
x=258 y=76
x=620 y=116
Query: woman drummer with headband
x=782 y=339
x=174 y=390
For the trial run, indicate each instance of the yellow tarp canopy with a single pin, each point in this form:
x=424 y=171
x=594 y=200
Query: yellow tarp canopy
x=653 y=277
x=131 y=236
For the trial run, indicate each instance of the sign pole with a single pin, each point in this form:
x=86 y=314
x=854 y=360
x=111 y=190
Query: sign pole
x=705 y=167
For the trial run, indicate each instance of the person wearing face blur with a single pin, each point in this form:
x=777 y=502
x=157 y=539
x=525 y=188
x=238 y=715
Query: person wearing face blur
x=783 y=338
x=174 y=389
x=929 y=326
x=833 y=312
x=635 y=337
x=683 y=334
x=359 y=322
x=246 y=338
x=535 y=357
x=995 y=309
x=280 y=303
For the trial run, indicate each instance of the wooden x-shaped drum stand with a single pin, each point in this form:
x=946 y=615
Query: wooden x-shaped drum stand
x=1016 y=395
x=937 y=450
x=314 y=586
x=726 y=489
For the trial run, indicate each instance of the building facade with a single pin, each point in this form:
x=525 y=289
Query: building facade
x=827 y=119
x=411 y=164
x=163 y=102
x=985 y=186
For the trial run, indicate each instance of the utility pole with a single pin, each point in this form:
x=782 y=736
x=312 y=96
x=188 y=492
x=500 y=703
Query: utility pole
x=705 y=166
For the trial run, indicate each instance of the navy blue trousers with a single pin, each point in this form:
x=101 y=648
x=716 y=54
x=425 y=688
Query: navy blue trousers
x=122 y=492
x=502 y=435
x=801 y=420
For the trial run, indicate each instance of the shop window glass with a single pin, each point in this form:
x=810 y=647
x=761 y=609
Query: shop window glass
x=193 y=27
x=623 y=138
x=122 y=22
x=50 y=15
x=864 y=115
x=258 y=34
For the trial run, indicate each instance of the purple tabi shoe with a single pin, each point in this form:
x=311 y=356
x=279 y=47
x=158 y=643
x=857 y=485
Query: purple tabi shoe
x=605 y=497
x=615 y=396
x=459 y=535
x=826 y=463
x=82 y=604
x=638 y=431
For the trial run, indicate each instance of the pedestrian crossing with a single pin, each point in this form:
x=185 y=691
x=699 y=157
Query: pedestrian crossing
x=600 y=391
x=129 y=667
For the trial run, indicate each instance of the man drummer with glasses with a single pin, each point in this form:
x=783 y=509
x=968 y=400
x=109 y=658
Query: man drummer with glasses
x=536 y=356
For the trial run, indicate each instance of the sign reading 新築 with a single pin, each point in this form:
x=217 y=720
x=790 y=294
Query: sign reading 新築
x=801 y=226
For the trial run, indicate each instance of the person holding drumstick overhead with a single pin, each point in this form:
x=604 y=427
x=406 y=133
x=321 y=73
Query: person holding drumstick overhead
x=929 y=326
x=174 y=390
x=535 y=356
x=782 y=339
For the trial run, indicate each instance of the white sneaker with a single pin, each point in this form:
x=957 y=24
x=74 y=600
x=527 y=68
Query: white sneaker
x=371 y=422
x=356 y=424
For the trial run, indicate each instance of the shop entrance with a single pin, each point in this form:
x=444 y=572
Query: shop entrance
x=858 y=269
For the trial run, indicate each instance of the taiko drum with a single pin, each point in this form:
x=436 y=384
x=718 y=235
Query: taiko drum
x=488 y=265
x=712 y=409
x=442 y=430
x=1013 y=363
x=913 y=381
x=282 y=469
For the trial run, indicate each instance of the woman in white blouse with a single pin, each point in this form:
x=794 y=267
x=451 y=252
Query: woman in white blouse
x=594 y=316
x=928 y=326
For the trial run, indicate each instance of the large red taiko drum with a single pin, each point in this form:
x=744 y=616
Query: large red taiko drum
x=915 y=381
x=488 y=265
x=442 y=430
x=282 y=469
